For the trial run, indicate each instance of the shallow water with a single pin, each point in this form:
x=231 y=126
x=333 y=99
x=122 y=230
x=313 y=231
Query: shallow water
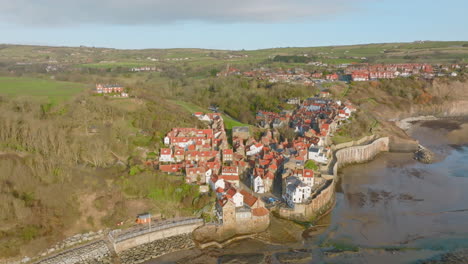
x=390 y=202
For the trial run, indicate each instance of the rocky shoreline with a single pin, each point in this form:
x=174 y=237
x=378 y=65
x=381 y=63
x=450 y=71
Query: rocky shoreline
x=424 y=155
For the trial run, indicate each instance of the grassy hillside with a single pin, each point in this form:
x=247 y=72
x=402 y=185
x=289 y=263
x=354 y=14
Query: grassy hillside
x=77 y=165
x=41 y=88
x=229 y=122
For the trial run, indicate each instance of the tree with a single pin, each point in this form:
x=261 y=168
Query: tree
x=311 y=165
x=287 y=133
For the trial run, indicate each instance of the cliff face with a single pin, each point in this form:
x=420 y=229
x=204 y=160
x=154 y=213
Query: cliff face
x=447 y=99
x=444 y=109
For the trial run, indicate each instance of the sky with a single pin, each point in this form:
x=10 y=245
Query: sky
x=229 y=24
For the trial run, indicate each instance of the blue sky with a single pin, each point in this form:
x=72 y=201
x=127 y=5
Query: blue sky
x=240 y=24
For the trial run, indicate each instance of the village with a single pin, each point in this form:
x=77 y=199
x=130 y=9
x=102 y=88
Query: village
x=348 y=72
x=251 y=177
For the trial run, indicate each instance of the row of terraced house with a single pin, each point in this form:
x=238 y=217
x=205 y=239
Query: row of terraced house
x=349 y=72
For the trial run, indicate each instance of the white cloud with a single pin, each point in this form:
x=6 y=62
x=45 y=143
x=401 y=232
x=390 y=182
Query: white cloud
x=133 y=12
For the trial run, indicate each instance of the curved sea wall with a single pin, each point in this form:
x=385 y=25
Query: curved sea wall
x=324 y=200
x=360 y=154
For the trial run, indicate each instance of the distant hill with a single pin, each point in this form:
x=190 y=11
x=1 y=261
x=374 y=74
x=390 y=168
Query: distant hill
x=422 y=51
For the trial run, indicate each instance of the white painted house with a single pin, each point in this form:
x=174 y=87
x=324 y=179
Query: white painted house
x=216 y=183
x=203 y=117
x=254 y=149
x=208 y=175
x=318 y=154
x=296 y=191
x=238 y=199
x=166 y=155
x=259 y=187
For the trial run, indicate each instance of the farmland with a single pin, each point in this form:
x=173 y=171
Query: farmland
x=39 y=88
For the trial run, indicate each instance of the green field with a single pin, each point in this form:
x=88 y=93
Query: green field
x=40 y=88
x=229 y=122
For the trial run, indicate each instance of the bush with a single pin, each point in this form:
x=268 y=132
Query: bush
x=134 y=170
x=29 y=232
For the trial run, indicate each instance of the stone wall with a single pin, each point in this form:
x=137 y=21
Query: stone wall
x=155 y=249
x=130 y=245
x=221 y=233
x=321 y=203
x=93 y=253
x=124 y=242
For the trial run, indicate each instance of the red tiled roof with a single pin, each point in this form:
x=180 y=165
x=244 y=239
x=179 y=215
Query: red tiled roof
x=249 y=199
x=231 y=192
x=308 y=173
x=165 y=151
x=228 y=152
x=229 y=177
x=273 y=167
x=262 y=211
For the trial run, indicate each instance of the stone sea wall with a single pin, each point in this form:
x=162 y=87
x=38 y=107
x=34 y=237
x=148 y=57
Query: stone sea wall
x=347 y=153
x=360 y=154
x=320 y=204
x=221 y=233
